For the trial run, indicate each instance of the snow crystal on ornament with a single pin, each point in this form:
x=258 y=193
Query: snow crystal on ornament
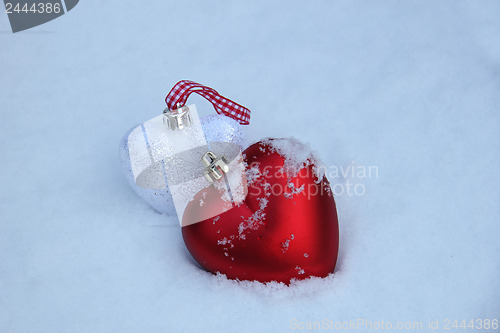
x=293 y=190
x=297 y=156
x=300 y=271
x=285 y=245
x=254 y=221
x=226 y=241
x=253 y=173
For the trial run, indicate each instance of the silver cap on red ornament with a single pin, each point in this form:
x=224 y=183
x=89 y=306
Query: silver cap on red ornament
x=177 y=119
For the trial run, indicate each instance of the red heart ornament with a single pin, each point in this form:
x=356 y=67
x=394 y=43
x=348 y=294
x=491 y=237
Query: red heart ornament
x=286 y=228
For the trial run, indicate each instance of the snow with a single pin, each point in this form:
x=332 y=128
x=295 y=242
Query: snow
x=409 y=87
x=257 y=218
x=297 y=155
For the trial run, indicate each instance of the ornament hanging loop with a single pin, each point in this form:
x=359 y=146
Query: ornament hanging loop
x=179 y=94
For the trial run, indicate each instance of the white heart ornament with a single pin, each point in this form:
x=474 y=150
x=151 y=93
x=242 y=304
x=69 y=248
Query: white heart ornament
x=215 y=128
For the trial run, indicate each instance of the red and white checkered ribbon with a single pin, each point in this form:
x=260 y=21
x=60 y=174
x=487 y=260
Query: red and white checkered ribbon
x=179 y=94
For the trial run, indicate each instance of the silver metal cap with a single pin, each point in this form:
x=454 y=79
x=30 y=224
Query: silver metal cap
x=215 y=167
x=177 y=119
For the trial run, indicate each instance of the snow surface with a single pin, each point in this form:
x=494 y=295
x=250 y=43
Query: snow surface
x=410 y=89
